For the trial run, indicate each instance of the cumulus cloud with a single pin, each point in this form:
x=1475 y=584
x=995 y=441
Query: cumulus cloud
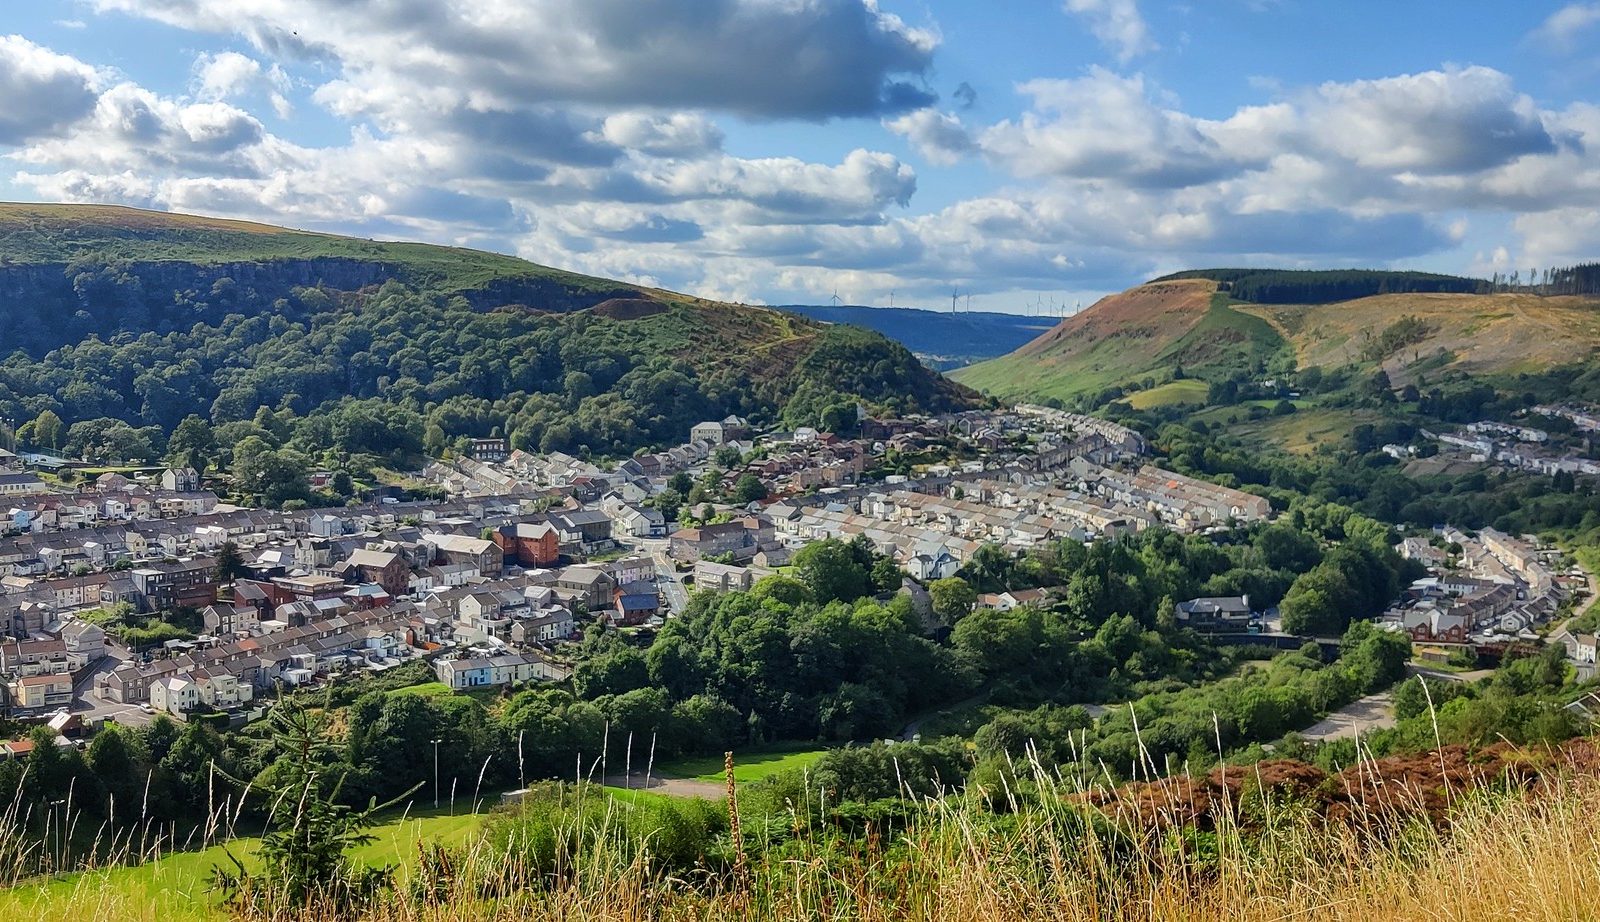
x=1118 y=24
x=681 y=134
x=1105 y=126
x=938 y=136
x=44 y=92
x=1440 y=121
x=815 y=59
x=229 y=75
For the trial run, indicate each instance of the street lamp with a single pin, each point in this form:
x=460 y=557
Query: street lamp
x=435 y=774
x=55 y=832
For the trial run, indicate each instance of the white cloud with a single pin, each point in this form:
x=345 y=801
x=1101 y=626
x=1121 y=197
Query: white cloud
x=1118 y=25
x=230 y=75
x=1105 y=126
x=680 y=134
x=1565 y=29
x=938 y=136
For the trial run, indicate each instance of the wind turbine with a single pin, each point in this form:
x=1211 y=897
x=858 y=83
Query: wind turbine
x=836 y=296
x=953 y=293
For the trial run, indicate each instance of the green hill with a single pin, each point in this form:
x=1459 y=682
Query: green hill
x=126 y=322
x=1148 y=331
x=1216 y=323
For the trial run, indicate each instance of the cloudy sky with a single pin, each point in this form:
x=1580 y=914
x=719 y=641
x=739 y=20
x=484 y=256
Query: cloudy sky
x=1020 y=151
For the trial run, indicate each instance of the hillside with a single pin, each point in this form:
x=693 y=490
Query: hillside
x=941 y=339
x=1188 y=321
x=1145 y=331
x=384 y=349
x=1480 y=334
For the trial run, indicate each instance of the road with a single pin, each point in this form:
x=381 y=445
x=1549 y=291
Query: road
x=672 y=590
x=95 y=709
x=1561 y=635
x=1374 y=712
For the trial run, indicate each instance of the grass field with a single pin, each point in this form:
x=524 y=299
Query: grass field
x=1303 y=432
x=175 y=888
x=1170 y=394
x=747 y=766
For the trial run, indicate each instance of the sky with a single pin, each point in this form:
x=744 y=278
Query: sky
x=1024 y=155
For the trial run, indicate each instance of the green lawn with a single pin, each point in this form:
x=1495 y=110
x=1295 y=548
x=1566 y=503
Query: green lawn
x=747 y=766
x=425 y=690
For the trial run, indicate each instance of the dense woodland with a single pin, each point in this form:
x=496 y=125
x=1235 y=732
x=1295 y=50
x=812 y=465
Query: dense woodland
x=395 y=372
x=1323 y=286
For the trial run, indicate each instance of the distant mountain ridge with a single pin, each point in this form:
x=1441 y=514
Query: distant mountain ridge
x=942 y=339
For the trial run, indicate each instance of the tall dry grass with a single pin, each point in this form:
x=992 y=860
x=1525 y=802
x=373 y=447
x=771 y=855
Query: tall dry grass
x=1501 y=855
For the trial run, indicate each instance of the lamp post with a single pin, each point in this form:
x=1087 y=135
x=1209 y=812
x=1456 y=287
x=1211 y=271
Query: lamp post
x=55 y=833
x=435 y=774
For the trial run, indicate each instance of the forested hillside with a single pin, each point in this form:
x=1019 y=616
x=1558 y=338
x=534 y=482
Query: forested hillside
x=1322 y=286
x=392 y=353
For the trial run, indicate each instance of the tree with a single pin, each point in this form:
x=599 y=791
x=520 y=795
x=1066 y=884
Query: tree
x=304 y=861
x=680 y=483
x=832 y=572
x=193 y=444
x=230 y=564
x=748 y=489
x=47 y=429
x=953 y=598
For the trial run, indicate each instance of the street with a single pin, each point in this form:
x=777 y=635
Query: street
x=673 y=592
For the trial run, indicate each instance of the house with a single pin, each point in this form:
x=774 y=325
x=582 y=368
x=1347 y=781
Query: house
x=222 y=691
x=386 y=568
x=587 y=528
x=638 y=521
x=166 y=585
x=227 y=618
x=176 y=695
x=489 y=671
x=1584 y=648
x=40 y=691
x=635 y=603
x=476 y=552
x=721 y=577
x=590 y=585
x=1228 y=613
x=932 y=565
x=84 y=642
x=689 y=545
x=489 y=451
x=551 y=624
x=773 y=557
x=720 y=432
x=181 y=480
x=23 y=484
x=530 y=544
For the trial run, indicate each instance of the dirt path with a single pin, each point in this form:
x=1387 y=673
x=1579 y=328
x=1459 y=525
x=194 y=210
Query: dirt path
x=675 y=787
x=1374 y=712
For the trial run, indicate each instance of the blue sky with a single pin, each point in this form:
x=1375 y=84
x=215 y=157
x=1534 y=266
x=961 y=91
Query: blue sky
x=1022 y=152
